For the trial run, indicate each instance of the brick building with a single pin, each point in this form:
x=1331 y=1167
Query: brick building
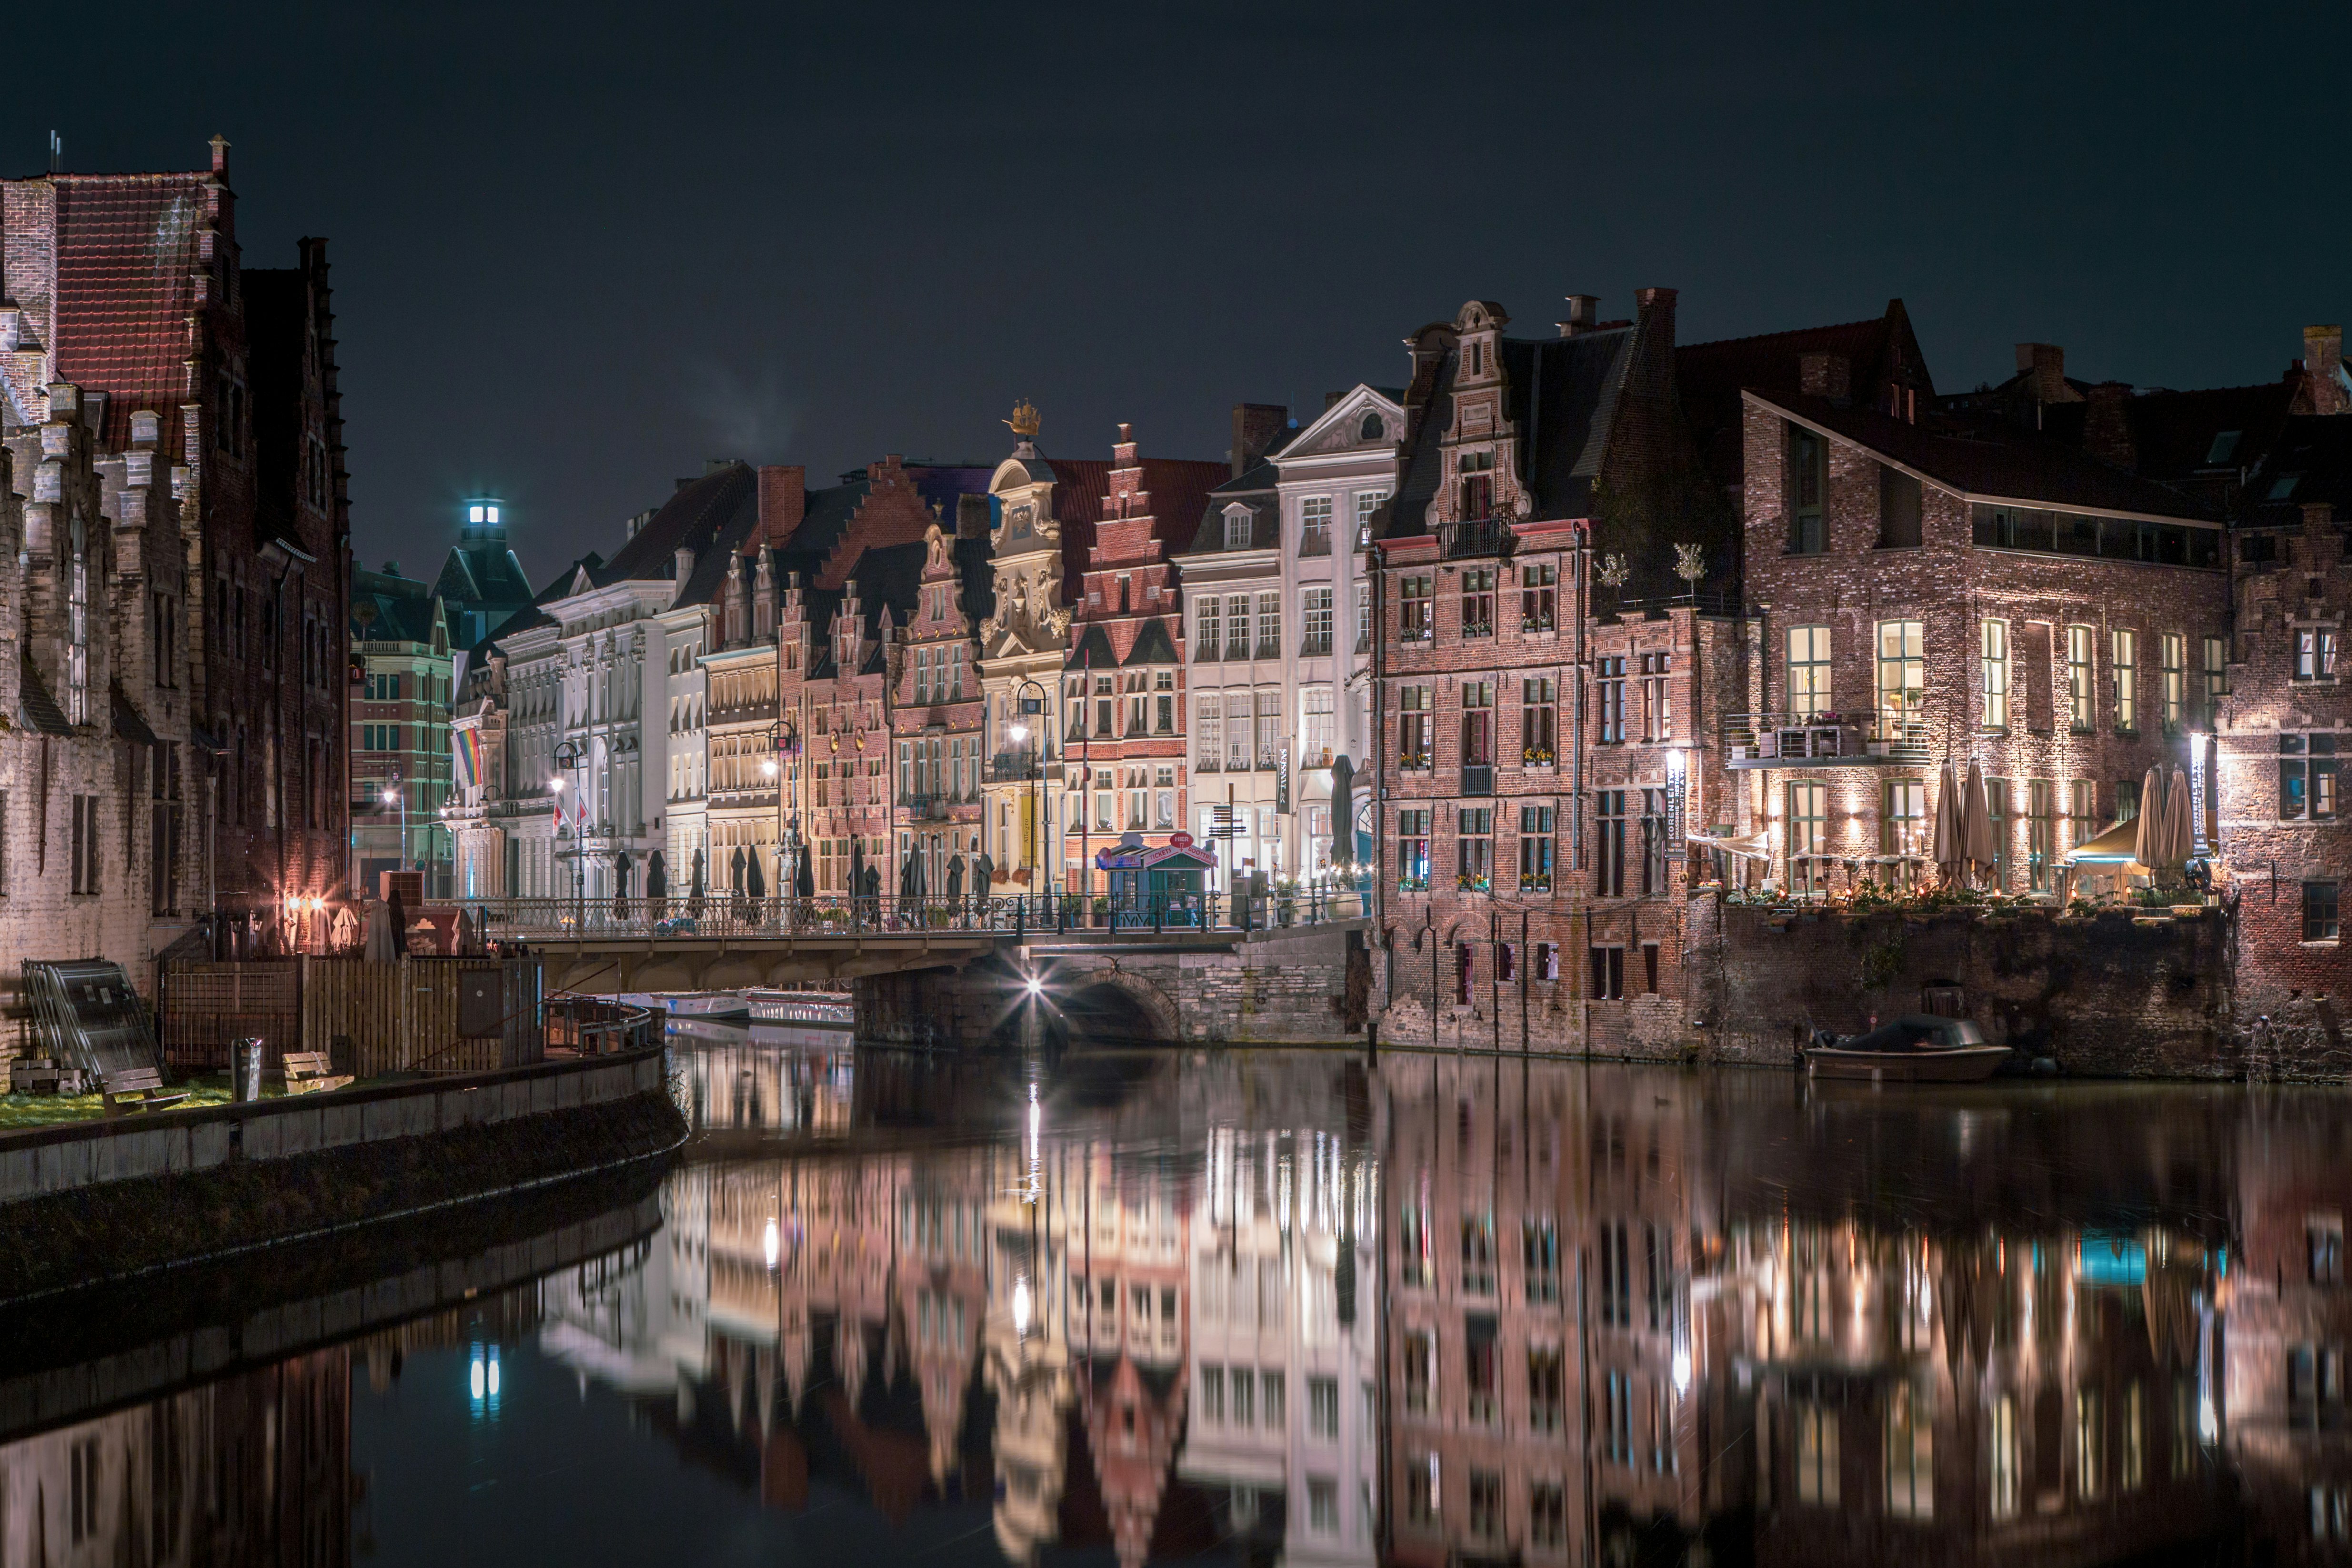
x=937 y=707
x=400 y=752
x=205 y=394
x=1123 y=679
x=1528 y=465
x=2283 y=826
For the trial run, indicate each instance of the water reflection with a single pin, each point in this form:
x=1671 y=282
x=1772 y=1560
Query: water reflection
x=1282 y=1306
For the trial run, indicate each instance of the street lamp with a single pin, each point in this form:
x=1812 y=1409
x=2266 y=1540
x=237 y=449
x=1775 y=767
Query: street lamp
x=568 y=756
x=784 y=740
x=1018 y=734
x=394 y=793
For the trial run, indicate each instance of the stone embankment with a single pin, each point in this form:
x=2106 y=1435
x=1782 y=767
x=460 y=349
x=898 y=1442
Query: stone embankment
x=103 y=1200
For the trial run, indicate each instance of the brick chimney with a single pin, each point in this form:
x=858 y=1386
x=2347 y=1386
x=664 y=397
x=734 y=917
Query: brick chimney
x=2107 y=427
x=2323 y=370
x=1256 y=427
x=2045 y=364
x=784 y=495
x=1656 y=305
x=1825 y=376
x=1583 y=314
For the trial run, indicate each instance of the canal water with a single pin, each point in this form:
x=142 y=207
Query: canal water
x=1268 y=1306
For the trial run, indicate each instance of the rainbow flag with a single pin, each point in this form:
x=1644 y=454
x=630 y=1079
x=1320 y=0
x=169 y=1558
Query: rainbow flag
x=469 y=755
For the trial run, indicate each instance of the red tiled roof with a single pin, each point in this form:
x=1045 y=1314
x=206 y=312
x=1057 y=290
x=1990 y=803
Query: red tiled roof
x=127 y=246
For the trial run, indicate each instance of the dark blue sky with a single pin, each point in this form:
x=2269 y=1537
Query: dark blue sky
x=580 y=249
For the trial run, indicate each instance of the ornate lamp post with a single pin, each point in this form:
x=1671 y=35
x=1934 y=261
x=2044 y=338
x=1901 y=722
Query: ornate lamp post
x=568 y=756
x=1037 y=766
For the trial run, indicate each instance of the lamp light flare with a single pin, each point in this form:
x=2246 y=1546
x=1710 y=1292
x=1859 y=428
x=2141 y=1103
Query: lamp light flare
x=1020 y=1307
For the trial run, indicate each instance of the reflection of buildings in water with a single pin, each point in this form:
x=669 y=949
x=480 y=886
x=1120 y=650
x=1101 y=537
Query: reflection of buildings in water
x=256 y=1468
x=1284 y=1362
x=767 y=1078
x=1730 y=1356
x=2290 y=1319
x=1486 y=1182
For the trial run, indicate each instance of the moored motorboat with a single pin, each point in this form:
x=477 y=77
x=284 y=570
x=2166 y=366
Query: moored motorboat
x=1918 y=1048
x=810 y=1009
x=711 y=1007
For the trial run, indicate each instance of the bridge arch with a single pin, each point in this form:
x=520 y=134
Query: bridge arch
x=1111 y=1007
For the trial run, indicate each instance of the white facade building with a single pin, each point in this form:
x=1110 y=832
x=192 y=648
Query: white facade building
x=1279 y=604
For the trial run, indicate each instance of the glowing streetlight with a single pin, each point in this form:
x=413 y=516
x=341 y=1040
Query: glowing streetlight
x=771 y=1242
x=1020 y=1307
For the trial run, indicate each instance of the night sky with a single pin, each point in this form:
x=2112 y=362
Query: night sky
x=580 y=249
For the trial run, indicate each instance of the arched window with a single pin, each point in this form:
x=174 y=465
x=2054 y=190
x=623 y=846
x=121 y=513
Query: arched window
x=1371 y=429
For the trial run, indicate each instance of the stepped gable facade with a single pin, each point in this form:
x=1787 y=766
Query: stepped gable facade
x=136 y=348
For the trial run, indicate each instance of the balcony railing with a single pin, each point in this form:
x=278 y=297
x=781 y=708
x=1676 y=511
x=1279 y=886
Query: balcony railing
x=1754 y=741
x=1478 y=778
x=1012 y=766
x=1466 y=541
x=1314 y=541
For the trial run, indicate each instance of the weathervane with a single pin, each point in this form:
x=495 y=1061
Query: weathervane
x=1025 y=420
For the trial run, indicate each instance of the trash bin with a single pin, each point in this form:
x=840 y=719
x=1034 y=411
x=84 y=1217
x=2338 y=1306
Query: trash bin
x=244 y=1068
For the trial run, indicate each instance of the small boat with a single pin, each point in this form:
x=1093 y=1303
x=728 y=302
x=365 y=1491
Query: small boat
x=1918 y=1048
x=711 y=1006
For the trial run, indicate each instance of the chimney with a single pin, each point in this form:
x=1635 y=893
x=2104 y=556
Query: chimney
x=220 y=154
x=2323 y=370
x=784 y=497
x=2045 y=364
x=2107 y=427
x=1825 y=376
x=715 y=465
x=1256 y=427
x=683 y=567
x=1583 y=314
x=1656 y=305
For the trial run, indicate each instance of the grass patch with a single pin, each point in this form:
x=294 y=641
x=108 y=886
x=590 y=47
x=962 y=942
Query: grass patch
x=20 y=1111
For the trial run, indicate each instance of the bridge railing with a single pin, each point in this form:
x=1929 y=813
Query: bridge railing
x=565 y=919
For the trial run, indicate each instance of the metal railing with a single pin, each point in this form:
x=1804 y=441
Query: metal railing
x=598 y=1026
x=1825 y=739
x=523 y=921
x=1012 y=766
x=1467 y=540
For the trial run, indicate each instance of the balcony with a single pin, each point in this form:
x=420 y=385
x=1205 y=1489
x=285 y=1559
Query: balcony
x=1471 y=541
x=1783 y=740
x=1012 y=766
x=928 y=808
x=1478 y=778
x=1314 y=541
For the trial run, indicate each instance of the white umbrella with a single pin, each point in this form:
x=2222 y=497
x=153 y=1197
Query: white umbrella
x=381 y=948
x=1978 y=846
x=2148 y=843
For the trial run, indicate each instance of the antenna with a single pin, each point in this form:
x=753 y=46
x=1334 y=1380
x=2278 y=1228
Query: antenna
x=57 y=153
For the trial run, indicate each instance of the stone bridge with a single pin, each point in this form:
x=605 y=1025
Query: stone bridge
x=972 y=972
x=1298 y=986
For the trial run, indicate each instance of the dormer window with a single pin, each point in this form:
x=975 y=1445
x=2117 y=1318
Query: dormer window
x=1238 y=520
x=1477 y=354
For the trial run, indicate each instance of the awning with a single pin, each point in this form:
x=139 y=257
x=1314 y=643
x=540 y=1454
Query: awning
x=1751 y=845
x=2118 y=846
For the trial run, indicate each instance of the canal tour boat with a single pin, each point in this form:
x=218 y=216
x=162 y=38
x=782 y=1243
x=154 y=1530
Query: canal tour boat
x=1918 y=1048
x=810 y=1009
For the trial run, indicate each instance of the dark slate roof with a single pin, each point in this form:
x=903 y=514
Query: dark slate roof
x=708 y=516
x=37 y=709
x=1152 y=644
x=402 y=610
x=557 y=587
x=1255 y=489
x=2173 y=432
x=128 y=724
x=483 y=573
x=1709 y=377
x=1560 y=394
x=2013 y=465
x=2311 y=461
x=1092 y=651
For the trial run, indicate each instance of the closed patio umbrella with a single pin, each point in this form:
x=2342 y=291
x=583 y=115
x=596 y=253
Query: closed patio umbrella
x=918 y=876
x=907 y=875
x=2148 y=845
x=380 y=948
x=2178 y=831
x=698 y=886
x=856 y=864
x=1343 y=812
x=1949 y=843
x=657 y=877
x=955 y=877
x=984 y=874
x=757 y=878
x=735 y=869
x=1978 y=847
x=804 y=875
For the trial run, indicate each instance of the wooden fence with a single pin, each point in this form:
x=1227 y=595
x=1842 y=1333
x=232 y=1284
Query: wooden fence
x=419 y=1014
